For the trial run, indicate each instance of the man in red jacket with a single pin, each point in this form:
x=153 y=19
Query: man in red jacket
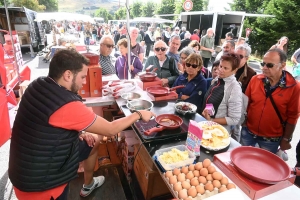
x=265 y=126
x=195 y=36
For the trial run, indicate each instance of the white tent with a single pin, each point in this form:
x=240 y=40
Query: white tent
x=59 y=16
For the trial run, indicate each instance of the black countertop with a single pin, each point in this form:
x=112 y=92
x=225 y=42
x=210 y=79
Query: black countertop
x=168 y=107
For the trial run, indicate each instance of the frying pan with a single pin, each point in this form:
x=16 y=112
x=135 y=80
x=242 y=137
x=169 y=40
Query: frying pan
x=147 y=76
x=158 y=91
x=260 y=165
x=165 y=121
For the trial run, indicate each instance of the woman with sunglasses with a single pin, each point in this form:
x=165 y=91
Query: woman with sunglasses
x=225 y=94
x=166 y=67
x=195 y=83
x=121 y=64
x=183 y=54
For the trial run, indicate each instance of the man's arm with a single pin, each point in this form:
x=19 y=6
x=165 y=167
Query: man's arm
x=294 y=56
x=288 y=133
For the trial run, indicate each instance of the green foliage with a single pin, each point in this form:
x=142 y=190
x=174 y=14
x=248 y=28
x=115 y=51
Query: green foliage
x=135 y=9
x=102 y=12
x=205 y=4
x=51 y=5
x=121 y=13
x=266 y=31
x=148 y=9
x=166 y=7
x=30 y=4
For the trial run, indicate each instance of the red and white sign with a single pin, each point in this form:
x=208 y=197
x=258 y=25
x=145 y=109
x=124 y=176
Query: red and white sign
x=188 y=5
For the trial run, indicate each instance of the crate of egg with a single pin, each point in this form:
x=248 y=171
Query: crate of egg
x=197 y=181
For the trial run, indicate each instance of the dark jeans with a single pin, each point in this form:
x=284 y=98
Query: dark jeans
x=84 y=152
x=148 y=47
x=205 y=62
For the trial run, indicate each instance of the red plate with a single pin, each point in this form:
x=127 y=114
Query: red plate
x=260 y=165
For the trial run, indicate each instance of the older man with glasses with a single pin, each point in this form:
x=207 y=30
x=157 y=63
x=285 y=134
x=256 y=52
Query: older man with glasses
x=106 y=47
x=274 y=105
x=166 y=67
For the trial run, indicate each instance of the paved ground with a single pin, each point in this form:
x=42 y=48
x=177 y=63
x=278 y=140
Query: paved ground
x=39 y=68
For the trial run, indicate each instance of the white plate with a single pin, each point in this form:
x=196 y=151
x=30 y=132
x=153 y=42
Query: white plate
x=192 y=106
x=226 y=140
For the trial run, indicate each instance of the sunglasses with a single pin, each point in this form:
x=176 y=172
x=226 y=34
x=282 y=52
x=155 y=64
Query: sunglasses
x=268 y=65
x=109 y=45
x=191 y=65
x=160 y=49
x=241 y=56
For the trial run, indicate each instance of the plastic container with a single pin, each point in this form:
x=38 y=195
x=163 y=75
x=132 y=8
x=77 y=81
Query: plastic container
x=166 y=166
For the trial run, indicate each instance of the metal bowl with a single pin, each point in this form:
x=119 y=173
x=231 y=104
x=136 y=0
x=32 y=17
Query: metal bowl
x=130 y=96
x=192 y=108
x=139 y=104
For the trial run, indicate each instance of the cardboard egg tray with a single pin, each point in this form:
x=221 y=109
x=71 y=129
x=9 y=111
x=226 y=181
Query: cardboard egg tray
x=199 y=196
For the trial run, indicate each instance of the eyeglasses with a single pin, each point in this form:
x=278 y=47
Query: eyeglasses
x=241 y=56
x=268 y=65
x=191 y=65
x=160 y=48
x=109 y=45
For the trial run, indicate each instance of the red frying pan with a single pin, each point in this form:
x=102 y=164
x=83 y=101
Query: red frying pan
x=260 y=165
x=165 y=121
x=158 y=91
x=147 y=76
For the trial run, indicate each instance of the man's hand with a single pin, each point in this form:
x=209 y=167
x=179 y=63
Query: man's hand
x=131 y=67
x=285 y=145
x=89 y=138
x=211 y=50
x=147 y=115
x=184 y=97
x=165 y=81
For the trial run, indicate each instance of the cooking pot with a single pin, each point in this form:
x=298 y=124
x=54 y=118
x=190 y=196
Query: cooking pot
x=165 y=121
x=147 y=76
x=261 y=165
x=158 y=91
x=94 y=58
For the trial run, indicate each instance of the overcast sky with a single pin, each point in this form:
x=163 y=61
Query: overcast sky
x=219 y=4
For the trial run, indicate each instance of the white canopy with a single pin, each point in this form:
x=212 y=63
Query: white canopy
x=151 y=20
x=59 y=16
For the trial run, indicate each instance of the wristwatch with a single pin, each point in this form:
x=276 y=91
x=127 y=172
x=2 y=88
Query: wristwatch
x=286 y=139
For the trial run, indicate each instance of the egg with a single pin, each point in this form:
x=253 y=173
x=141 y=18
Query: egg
x=224 y=181
x=196 y=173
x=189 y=175
x=176 y=171
x=230 y=186
x=188 y=198
x=202 y=179
x=203 y=172
x=216 y=183
x=192 y=167
x=209 y=177
x=222 y=189
x=211 y=169
x=177 y=186
x=200 y=189
x=209 y=186
x=194 y=181
x=168 y=174
x=182 y=194
x=173 y=179
x=181 y=177
x=206 y=163
x=192 y=192
x=198 y=166
x=185 y=185
x=185 y=170
x=217 y=176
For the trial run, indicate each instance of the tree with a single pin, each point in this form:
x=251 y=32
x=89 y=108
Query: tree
x=148 y=9
x=121 y=13
x=51 y=5
x=166 y=7
x=135 y=9
x=205 y=4
x=30 y=4
x=102 y=12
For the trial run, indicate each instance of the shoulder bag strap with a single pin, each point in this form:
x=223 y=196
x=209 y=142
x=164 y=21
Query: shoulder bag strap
x=277 y=111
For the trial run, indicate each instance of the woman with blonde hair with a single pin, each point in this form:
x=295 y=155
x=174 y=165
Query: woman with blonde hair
x=195 y=84
x=282 y=44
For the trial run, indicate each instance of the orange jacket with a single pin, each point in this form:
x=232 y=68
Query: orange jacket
x=262 y=119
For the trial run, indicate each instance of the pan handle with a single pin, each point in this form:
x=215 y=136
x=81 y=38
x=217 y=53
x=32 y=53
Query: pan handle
x=153 y=130
x=177 y=87
x=296 y=171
